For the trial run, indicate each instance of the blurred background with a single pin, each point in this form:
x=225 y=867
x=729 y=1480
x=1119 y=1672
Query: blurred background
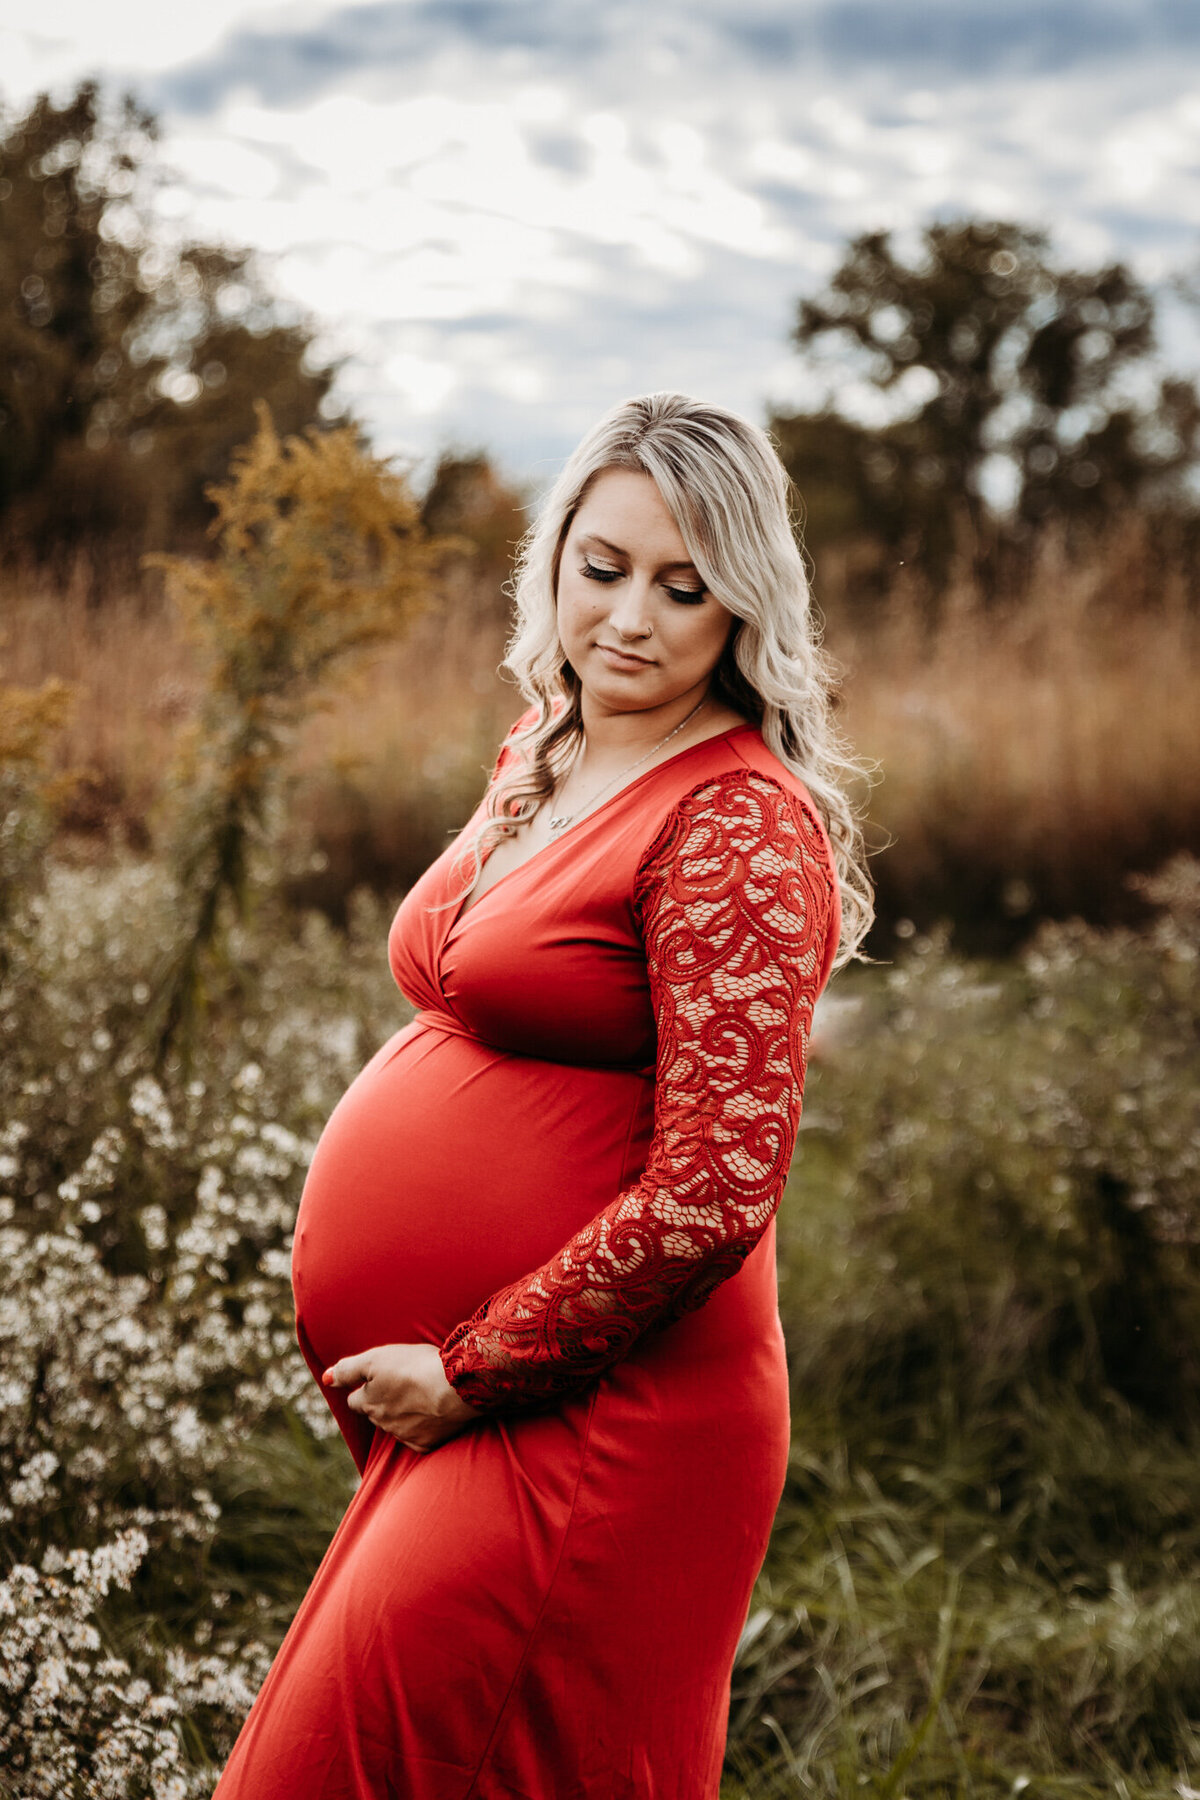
x=948 y=254
x=300 y=310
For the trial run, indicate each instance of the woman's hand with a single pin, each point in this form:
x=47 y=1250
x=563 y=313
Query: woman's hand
x=402 y=1388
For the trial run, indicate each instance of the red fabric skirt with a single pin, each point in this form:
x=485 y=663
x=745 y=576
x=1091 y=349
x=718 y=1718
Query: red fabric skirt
x=548 y=1606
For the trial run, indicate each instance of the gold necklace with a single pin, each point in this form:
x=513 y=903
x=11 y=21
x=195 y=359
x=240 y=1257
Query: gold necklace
x=562 y=820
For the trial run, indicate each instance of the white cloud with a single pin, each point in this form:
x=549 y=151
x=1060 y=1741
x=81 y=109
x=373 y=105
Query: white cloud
x=509 y=225
x=1154 y=151
x=775 y=160
x=425 y=383
x=220 y=164
x=65 y=38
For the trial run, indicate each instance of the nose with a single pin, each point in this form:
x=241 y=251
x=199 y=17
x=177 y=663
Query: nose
x=630 y=613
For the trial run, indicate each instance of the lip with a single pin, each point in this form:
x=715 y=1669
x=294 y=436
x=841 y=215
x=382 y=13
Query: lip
x=624 y=659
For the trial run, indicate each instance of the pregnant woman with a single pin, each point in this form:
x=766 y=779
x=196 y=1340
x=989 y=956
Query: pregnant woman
x=534 y=1259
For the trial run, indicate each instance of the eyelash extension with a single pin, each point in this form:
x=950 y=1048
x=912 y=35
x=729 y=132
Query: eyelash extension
x=685 y=596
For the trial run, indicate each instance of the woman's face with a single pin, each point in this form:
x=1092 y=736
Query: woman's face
x=636 y=622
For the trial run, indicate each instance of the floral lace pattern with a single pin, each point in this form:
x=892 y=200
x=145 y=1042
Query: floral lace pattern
x=734 y=898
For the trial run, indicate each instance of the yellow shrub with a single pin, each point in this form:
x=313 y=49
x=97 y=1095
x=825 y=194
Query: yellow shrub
x=321 y=554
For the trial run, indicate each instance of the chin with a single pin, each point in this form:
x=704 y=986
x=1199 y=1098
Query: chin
x=623 y=699
x=623 y=688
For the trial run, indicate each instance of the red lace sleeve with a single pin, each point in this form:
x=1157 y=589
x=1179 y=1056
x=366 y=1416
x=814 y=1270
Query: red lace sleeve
x=736 y=900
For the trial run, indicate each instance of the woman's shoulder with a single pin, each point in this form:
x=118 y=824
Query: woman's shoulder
x=737 y=807
x=509 y=750
x=735 y=761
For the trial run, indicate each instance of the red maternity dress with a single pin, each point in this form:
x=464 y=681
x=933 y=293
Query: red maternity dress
x=564 y=1171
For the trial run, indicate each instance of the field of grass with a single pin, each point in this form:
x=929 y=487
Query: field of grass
x=1033 y=753
x=983 y=1577
x=983 y=1580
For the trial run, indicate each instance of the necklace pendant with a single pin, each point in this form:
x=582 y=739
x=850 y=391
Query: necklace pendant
x=563 y=820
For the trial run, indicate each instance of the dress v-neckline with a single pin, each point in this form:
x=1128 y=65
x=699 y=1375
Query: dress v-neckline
x=466 y=908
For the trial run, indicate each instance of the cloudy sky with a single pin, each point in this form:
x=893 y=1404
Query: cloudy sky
x=508 y=214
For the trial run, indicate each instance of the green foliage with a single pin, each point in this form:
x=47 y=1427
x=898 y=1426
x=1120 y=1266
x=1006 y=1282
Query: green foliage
x=988 y=352
x=321 y=554
x=30 y=718
x=982 y=1580
x=151 y=1372
x=984 y=1569
x=467 y=499
x=128 y=366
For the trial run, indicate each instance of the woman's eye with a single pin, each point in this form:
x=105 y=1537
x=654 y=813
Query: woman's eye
x=685 y=596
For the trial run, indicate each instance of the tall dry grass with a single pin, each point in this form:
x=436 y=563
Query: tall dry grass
x=384 y=778
x=134 y=682
x=1033 y=754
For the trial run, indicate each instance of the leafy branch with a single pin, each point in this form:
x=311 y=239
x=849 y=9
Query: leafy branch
x=321 y=555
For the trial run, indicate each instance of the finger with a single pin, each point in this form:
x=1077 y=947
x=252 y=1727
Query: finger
x=346 y=1372
x=425 y=1437
x=357 y=1400
x=412 y=1438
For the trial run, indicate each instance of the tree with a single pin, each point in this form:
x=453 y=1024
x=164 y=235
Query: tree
x=467 y=500
x=321 y=554
x=1021 y=391
x=129 y=366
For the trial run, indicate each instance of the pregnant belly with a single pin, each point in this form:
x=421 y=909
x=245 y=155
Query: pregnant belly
x=446 y=1171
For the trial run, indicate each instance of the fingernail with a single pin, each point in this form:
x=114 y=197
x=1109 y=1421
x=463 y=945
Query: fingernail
x=327 y=1378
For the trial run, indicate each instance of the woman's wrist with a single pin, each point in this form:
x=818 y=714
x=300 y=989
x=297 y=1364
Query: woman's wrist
x=455 y=1405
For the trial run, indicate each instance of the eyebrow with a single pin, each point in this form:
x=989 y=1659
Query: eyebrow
x=593 y=537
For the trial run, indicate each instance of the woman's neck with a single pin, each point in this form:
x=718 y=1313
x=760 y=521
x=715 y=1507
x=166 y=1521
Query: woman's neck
x=610 y=735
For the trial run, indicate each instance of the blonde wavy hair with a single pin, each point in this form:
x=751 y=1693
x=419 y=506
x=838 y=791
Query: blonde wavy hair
x=729 y=496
